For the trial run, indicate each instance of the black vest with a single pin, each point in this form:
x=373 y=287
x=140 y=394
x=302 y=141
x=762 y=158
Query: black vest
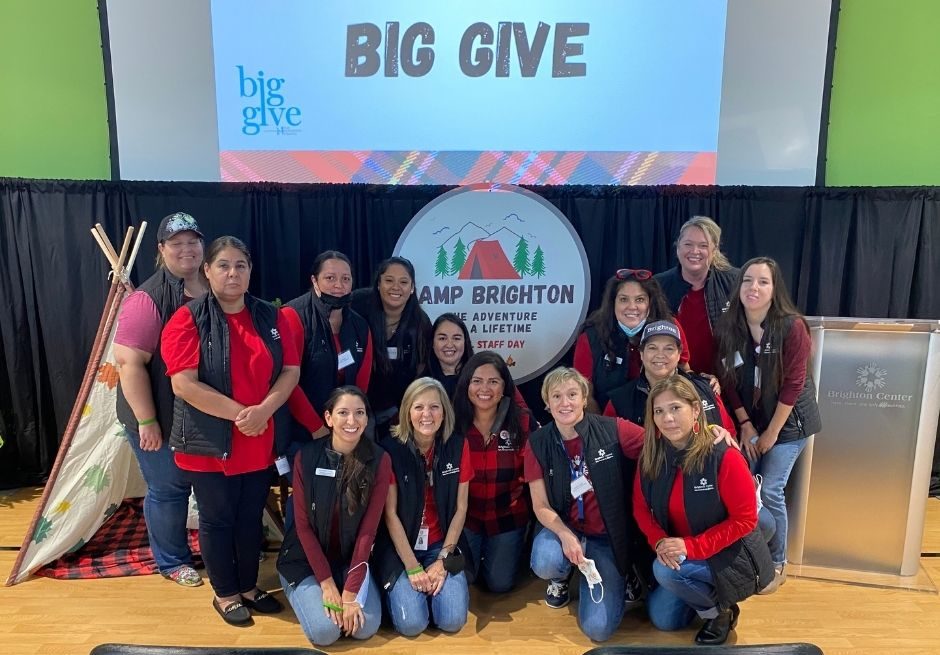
x=719 y=287
x=629 y=401
x=167 y=293
x=608 y=374
x=194 y=431
x=319 y=359
x=741 y=569
x=322 y=495
x=611 y=476
x=408 y=465
x=804 y=420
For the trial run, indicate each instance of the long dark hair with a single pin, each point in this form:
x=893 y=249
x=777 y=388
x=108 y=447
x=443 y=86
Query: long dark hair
x=413 y=325
x=733 y=336
x=463 y=408
x=604 y=320
x=357 y=479
x=434 y=366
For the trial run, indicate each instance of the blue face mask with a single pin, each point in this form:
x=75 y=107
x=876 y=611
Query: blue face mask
x=632 y=332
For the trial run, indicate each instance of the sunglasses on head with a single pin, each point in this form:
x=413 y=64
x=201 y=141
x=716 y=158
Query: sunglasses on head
x=636 y=273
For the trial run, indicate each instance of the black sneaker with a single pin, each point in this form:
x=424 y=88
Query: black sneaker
x=633 y=591
x=556 y=595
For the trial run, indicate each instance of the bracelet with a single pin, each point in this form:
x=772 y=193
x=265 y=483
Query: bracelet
x=149 y=421
x=661 y=540
x=747 y=420
x=415 y=571
x=331 y=606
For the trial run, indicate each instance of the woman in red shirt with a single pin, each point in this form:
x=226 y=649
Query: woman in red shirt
x=232 y=363
x=695 y=502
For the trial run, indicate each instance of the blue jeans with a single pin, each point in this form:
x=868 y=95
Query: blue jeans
x=598 y=620
x=306 y=599
x=166 y=504
x=680 y=593
x=775 y=466
x=230 y=531
x=497 y=557
x=409 y=608
x=766 y=523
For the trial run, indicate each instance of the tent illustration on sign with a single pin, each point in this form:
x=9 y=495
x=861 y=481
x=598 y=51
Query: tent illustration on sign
x=487 y=261
x=475 y=253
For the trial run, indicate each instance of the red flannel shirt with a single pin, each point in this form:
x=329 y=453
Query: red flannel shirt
x=499 y=499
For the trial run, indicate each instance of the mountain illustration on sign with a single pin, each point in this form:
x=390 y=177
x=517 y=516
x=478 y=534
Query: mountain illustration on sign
x=475 y=253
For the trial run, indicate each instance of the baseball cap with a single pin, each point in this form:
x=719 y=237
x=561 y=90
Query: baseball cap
x=661 y=328
x=178 y=222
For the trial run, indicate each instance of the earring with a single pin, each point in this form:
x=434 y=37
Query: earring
x=696 y=427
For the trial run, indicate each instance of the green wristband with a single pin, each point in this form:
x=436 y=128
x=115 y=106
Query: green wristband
x=331 y=606
x=149 y=421
x=415 y=571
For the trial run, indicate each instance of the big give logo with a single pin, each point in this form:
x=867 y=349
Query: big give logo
x=510 y=264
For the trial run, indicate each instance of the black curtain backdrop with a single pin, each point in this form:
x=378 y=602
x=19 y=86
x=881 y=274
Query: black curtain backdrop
x=867 y=252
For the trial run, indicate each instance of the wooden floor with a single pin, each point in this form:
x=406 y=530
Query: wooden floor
x=53 y=617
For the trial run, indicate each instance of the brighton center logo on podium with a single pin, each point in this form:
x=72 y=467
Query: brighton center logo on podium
x=509 y=264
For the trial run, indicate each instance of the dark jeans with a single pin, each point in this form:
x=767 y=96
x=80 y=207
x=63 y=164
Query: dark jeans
x=230 y=511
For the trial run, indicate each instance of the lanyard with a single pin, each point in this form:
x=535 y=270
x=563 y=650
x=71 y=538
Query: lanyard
x=576 y=472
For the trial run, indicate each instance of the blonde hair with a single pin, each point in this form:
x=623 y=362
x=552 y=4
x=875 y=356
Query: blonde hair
x=561 y=375
x=405 y=429
x=713 y=234
x=653 y=455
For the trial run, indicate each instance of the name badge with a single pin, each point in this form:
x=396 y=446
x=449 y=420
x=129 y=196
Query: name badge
x=393 y=352
x=619 y=360
x=422 y=542
x=283 y=466
x=345 y=359
x=327 y=473
x=580 y=486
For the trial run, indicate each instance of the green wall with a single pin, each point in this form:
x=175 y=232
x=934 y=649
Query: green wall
x=54 y=114
x=884 y=118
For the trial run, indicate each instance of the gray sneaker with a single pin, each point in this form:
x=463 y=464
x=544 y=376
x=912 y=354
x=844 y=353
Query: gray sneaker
x=780 y=576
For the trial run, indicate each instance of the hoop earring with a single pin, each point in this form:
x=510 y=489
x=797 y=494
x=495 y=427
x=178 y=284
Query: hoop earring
x=696 y=427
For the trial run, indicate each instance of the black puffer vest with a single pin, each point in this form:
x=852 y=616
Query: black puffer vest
x=167 y=292
x=195 y=432
x=740 y=570
x=323 y=496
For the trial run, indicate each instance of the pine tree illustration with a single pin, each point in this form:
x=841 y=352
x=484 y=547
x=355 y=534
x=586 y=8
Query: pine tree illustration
x=459 y=258
x=521 y=261
x=538 y=263
x=440 y=266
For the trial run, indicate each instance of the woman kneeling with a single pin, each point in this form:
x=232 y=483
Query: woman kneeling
x=340 y=485
x=419 y=556
x=695 y=503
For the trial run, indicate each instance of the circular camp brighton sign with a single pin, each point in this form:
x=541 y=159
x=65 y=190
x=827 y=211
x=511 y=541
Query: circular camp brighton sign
x=507 y=262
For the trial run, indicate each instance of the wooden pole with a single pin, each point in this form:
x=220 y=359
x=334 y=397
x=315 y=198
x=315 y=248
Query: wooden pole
x=130 y=262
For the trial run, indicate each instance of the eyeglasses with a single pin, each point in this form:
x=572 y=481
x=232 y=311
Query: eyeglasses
x=636 y=273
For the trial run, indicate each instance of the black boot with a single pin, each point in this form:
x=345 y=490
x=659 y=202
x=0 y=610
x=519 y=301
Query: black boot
x=715 y=631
